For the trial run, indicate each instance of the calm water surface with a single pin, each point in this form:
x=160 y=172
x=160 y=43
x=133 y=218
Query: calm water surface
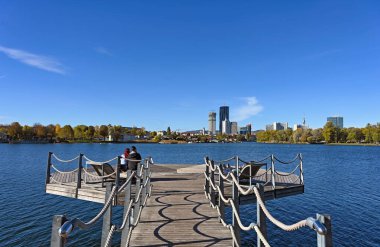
x=343 y=181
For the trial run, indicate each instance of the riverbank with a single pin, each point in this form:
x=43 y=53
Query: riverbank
x=326 y=144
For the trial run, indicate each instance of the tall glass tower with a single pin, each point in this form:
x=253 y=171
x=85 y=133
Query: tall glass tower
x=224 y=114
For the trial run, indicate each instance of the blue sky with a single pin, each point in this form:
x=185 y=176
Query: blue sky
x=168 y=63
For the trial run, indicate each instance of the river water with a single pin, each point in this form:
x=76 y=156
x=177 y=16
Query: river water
x=343 y=181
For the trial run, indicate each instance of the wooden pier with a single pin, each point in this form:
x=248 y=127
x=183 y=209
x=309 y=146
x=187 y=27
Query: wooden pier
x=178 y=211
x=178 y=214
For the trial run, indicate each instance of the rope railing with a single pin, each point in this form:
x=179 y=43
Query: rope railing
x=287 y=162
x=211 y=188
x=226 y=160
x=63 y=172
x=132 y=209
x=99 y=162
x=229 y=201
x=64 y=161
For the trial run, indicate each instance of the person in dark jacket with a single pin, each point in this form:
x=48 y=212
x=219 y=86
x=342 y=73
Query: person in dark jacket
x=134 y=155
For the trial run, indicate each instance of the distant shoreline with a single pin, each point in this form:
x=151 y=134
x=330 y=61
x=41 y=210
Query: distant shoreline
x=325 y=144
x=182 y=142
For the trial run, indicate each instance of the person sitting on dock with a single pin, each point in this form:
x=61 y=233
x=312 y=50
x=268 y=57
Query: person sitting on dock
x=123 y=162
x=134 y=155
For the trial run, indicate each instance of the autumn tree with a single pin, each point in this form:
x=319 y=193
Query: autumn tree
x=27 y=132
x=15 y=131
x=39 y=130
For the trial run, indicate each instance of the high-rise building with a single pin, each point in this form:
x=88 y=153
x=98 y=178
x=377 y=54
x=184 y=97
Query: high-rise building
x=247 y=129
x=212 y=123
x=226 y=127
x=277 y=126
x=234 y=128
x=224 y=114
x=337 y=121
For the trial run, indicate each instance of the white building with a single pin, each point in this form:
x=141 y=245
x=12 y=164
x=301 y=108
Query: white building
x=226 y=127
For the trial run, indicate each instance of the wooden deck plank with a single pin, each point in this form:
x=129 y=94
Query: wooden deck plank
x=178 y=214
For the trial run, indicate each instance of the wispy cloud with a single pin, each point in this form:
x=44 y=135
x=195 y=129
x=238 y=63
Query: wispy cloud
x=102 y=50
x=2 y=76
x=3 y=117
x=250 y=108
x=34 y=60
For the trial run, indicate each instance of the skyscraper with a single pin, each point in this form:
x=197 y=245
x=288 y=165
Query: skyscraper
x=224 y=114
x=234 y=128
x=337 y=121
x=212 y=123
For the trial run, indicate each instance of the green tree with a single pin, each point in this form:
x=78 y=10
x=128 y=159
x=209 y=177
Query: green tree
x=141 y=132
x=168 y=131
x=66 y=132
x=117 y=132
x=80 y=132
x=153 y=134
x=90 y=132
x=368 y=131
x=297 y=135
x=329 y=132
x=316 y=136
x=306 y=133
x=103 y=131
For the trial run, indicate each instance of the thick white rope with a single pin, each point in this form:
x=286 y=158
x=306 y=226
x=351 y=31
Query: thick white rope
x=97 y=176
x=64 y=161
x=63 y=172
x=252 y=226
x=109 y=237
x=89 y=161
x=283 y=226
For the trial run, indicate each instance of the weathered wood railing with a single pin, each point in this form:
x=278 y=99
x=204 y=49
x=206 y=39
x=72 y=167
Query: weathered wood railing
x=224 y=173
x=62 y=226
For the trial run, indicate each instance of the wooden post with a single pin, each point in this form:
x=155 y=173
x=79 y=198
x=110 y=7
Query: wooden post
x=212 y=191
x=48 y=169
x=301 y=169
x=56 y=240
x=79 y=177
x=221 y=202
x=325 y=240
x=118 y=172
x=207 y=183
x=127 y=199
x=136 y=207
x=261 y=219
x=149 y=188
x=107 y=216
x=144 y=189
x=235 y=198
x=273 y=173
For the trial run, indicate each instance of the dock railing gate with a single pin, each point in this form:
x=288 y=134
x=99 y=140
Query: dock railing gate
x=62 y=226
x=225 y=173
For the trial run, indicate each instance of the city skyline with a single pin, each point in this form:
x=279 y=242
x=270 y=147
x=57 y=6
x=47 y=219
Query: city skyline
x=159 y=64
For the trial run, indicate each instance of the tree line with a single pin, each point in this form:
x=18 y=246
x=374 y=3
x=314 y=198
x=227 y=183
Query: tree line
x=328 y=134
x=16 y=131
